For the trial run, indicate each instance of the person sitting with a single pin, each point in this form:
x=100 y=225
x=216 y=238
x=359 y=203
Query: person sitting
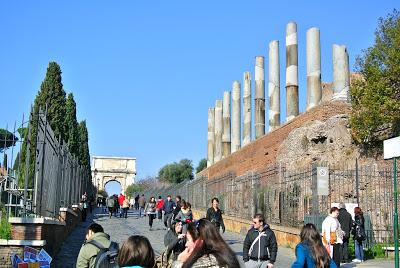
x=136 y=252
x=185 y=215
x=88 y=252
x=310 y=252
x=209 y=250
x=174 y=240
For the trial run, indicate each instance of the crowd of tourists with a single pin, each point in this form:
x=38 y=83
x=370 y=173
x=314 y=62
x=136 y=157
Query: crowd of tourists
x=191 y=243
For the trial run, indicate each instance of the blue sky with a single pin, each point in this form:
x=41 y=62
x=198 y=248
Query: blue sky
x=144 y=73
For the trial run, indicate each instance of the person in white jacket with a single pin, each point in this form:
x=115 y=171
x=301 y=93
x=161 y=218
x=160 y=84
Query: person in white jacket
x=332 y=235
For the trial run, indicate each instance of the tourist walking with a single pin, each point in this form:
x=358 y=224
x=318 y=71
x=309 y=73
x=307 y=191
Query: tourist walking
x=209 y=250
x=136 y=252
x=310 y=252
x=332 y=235
x=85 y=206
x=142 y=204
x=116 y=205
x=137 y=202
x=159 y=207
x=346 y=223
x=168 y=208
x=125 y=208
x=185 y=215
x=88 y=252
x=214 y=215
x=150 y=211
x=110 y=205
x=260 y=247
x=177 y=207
x=121 y=199
x=175 y=241
x=359 y=235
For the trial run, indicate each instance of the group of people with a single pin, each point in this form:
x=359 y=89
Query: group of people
x=199 y=243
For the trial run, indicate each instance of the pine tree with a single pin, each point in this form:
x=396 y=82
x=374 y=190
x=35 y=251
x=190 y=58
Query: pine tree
x=71 y=125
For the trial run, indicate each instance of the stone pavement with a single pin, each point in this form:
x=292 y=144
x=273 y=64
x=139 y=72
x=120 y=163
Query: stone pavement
x=120 y=229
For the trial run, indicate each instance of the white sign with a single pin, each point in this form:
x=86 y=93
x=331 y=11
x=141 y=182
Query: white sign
x=322 y=181
x=391 y=148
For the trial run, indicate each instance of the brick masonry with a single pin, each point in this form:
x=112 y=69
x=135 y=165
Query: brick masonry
x=263 y=151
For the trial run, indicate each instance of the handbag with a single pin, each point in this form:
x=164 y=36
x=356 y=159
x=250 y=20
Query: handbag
x=164 y=260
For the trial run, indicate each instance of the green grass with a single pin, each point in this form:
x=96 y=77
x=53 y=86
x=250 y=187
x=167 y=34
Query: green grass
x=5 y=226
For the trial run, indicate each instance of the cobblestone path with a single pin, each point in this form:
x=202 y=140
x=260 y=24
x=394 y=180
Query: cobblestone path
x=120 y=229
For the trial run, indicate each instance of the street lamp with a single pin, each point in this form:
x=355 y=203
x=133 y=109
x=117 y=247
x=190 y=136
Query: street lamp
x=95 y=175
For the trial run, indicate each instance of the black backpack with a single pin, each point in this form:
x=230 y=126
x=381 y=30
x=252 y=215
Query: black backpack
x=107 y=257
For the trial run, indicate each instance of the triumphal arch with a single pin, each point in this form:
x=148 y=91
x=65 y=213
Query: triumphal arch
x=112 y=168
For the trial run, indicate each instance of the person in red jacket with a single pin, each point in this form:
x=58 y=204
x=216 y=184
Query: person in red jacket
x=121 y=199
x=159 y=207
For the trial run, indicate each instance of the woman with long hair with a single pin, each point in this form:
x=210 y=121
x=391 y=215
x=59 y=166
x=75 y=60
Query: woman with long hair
x=209 y=250
x=358 y=234
x=310 y=252
x=185 y=215
x=150 y=211
x=136 y=252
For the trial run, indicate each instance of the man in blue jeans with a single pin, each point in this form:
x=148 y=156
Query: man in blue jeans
x=168 y=208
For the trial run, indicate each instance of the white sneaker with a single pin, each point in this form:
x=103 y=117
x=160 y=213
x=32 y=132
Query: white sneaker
x=355 y=260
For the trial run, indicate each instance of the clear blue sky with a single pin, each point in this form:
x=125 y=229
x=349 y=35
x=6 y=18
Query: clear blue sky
x=143 y=74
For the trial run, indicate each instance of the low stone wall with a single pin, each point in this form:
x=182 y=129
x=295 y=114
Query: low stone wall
x=285 y=236
x=39 y=232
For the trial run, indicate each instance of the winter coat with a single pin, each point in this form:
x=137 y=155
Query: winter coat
x=121 y=199
x=265 y=249
x=88 y=253
x=206 y=261
x=358 y=223
x=173 y=243
x=345 y=221
x=168 y=206
x=125 y=204
x=215 y=217
x=184 y=217
x=160 y=204
x=150 y=207
x=304 y=258
x=142 y=202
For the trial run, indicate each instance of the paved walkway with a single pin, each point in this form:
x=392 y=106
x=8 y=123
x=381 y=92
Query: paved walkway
x=120 y=229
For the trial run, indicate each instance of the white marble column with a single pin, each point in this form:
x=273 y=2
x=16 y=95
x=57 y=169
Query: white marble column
x=218 y=131
x=210 y=136
x=292 y=85
x=341 y=73
x=235 y=116
x=226 y=119
x=314 y=90
x=274 y=86
x=246 y=135
x=259 y=98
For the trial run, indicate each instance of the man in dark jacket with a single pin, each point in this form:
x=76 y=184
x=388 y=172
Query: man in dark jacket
x=168 y=208
x=260 y=247
x=346 y=222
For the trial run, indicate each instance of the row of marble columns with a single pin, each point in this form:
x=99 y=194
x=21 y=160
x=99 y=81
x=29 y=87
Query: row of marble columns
x=224 y=119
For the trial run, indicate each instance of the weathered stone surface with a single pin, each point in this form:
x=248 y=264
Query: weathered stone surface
x=246 y=135
x=235 y=116
x=226 y=122
x=259 y=98
x=317 y=141
x=210 y=136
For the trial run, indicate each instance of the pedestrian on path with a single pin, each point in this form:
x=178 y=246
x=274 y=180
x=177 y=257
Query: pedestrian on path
x=88 y=253
x=346 y=223
x=168 y=208
x=121 y=199
x=110 y=205
x=142 y=204
x=332 y=235
x=159 y=206
x=150 y=211
x=136 y=252
x=85 y=206
x=260 y=247
x=177 y=208
x=125 y=208
x=310 y=252
x=209 y=250
x=214 y=215
x=137 y=202
x=185 y=215
x=358 y=234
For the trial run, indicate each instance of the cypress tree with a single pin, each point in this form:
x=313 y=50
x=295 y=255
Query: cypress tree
x=84 y=156
x=71 y=125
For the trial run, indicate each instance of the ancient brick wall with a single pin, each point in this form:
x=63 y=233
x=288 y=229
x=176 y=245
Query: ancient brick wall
x=263 y=151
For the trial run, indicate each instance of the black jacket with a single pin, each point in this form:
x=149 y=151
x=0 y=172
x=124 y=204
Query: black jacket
x=168 y=207
x=345 y=221
x=265 y=248
x=172 y=242
x=215 y=217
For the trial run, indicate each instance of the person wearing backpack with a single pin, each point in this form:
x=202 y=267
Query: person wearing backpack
x=110 y=205
x=260 y=247
x=358 y=232
x=95 y=238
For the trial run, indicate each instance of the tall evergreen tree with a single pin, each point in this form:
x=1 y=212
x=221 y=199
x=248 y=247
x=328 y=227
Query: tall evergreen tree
x=52 y=95
x=71 y=125
x=84 y=156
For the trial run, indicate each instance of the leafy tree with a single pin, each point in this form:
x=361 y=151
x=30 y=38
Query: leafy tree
x=133 y=189
x=202 y=165
x=102 y=193
x=177 y=172
x=71 y=125
x=7 y=139
x=376 y=96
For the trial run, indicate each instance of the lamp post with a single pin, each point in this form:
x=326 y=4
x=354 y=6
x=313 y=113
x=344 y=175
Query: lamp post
x=95 y=176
